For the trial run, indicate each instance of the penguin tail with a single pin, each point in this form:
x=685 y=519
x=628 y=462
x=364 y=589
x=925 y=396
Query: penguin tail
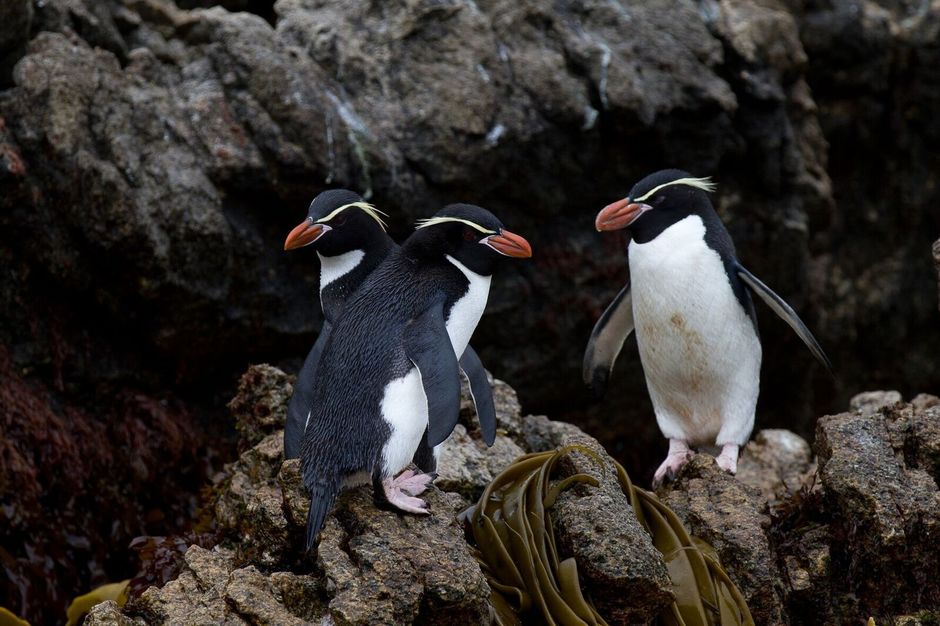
x=322 y=497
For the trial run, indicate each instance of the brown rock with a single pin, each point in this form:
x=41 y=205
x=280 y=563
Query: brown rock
x=260 y=406
x=386 y=567
x=467 y=465
x=725 y=513
x=616 y=557
x=777 y=463
x=875 y=468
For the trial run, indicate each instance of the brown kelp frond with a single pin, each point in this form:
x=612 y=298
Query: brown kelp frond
x=512 y=528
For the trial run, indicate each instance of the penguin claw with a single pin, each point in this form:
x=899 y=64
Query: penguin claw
x=669 y=468
x=408 y=504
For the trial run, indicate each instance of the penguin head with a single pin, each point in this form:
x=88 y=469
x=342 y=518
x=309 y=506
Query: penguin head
x=656 y=202
x=339 y=221
x=471 y=235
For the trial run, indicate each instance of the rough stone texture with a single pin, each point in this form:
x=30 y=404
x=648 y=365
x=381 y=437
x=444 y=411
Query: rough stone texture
x=872 y=401
x=879 y=470
x=109 y=614
x=728 y=515
x=261 y=404
x=153 y=158
x=616 y=558
x=466 y=466
x=777 y=463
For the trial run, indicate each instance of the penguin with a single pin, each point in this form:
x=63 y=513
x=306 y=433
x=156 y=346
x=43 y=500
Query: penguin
x=688 y=299
x=350 y=238
x=388 y=375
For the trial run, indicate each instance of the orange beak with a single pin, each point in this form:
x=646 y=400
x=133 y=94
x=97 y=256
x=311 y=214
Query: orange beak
x=304 y=234
x=509 y=244
x=619 y=214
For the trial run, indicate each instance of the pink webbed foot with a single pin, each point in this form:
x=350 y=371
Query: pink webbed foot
x=400 y=491
x=412 y=483
x=728 y=459
x=679 y=454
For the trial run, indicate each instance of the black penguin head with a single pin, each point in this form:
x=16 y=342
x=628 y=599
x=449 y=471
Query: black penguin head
x=656 y=202
x=339 y=221
x=471 y=235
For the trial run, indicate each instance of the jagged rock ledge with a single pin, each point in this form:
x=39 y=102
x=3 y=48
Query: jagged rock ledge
x=804 y=545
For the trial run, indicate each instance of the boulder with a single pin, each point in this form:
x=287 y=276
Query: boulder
x=729 y=515
x=778 y=463
x=879 y=470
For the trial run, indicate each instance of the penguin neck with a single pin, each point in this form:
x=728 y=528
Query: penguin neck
x=652 y=223
x=342 y=274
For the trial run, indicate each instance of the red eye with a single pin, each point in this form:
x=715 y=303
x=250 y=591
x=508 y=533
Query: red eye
x=469 y=235
x=339 y=220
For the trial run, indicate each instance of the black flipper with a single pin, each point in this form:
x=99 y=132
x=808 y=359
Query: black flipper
x=785 y=312
x=428 y=346
x=301 y=400
x=322 y=496
x=610 y=331
x=481 y=393
x=424 y=456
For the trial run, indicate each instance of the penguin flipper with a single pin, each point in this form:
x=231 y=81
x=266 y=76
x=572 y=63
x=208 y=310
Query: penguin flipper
x=428 y=346
x=481 y=393
x=322 y=496
x=784 y=312
x=610 y=331
x=298 y=410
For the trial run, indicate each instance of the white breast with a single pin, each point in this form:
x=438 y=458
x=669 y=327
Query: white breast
x=405 y=408
x=699 y=350
x=467 y=311
x=335 y=267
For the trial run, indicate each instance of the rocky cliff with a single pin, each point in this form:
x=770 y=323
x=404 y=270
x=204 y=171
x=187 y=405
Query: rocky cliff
x=153 y=157
x=836 y=544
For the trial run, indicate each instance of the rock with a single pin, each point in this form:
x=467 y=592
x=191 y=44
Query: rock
x=878 y=469
x=466 y=466
x=616 y=557
x=384 y=567
x=726 y=514
x=871 y=401
x=250 y=505
x=15 y=19
x=777 y=463
x=260 y=407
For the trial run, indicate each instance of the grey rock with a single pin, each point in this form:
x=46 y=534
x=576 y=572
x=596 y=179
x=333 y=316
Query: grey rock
x=728 y=515
x=878 y=470
x=109 y=614
x=871 y=401
x=260 y=406
x=466 y=466
x=777 y=463
x=616 y=557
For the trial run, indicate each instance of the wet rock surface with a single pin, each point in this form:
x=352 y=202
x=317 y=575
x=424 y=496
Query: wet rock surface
x=801 y=549
x=728 y=515
x=153 y=157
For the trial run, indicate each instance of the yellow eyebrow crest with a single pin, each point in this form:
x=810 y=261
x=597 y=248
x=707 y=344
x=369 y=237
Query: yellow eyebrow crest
x=431 y=221
x=370 y=210
x=705 y=184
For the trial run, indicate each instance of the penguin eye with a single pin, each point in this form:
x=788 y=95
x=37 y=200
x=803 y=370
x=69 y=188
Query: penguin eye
x=339 y=220
x=469 y=234
x=659 y=200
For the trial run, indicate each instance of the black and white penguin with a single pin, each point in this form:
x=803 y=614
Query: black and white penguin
x=689 y=303
x=388 y=376
x=350 y=238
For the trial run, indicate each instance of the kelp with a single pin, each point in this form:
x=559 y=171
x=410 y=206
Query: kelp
x=9 y=618
x=84 y=603
x=516 y=546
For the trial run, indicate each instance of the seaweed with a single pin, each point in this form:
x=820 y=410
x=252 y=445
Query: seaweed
x=511 y=526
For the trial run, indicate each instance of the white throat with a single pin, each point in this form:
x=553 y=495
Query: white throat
x=335 y=267
x=466 y=312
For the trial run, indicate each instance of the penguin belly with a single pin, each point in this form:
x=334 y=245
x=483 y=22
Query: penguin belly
x=699 y=349
x=405 y=408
